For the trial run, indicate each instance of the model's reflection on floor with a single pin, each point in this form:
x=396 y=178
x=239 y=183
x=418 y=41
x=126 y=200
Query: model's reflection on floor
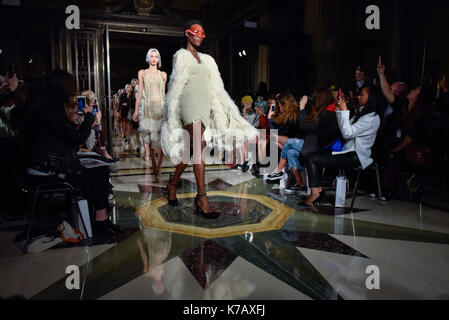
x=154 y=248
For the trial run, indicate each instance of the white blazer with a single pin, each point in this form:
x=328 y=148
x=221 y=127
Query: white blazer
x=360 y=137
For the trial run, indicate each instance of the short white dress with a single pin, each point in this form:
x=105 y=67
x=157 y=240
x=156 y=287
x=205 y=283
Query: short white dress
x=151 y=115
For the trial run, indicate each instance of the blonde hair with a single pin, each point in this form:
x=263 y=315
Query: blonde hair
x=290 y=106
x=90 y=96
x=159 y=64
x=247 y=99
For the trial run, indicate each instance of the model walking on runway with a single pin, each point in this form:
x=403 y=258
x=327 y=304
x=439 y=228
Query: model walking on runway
x=152 y=87
x=197 y=102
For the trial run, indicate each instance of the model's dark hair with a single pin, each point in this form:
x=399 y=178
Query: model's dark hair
x=191 y=23
x=375 y=102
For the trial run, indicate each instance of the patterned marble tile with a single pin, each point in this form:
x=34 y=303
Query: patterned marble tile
x=245 y=281
x=234 y=211
x=270 y=252
x=207 y=261
x=319 y=241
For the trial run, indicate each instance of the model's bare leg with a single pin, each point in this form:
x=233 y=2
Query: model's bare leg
x=180 y=168
x=147 y=151
x=159 y=161
x=153 y=161
x=199 y=167
x=241 y=156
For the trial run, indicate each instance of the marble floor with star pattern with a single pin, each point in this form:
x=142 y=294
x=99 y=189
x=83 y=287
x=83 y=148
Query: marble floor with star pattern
x=263 y=247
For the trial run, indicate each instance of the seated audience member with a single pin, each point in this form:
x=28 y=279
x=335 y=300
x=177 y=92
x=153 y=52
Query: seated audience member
x=53 y=142
x=252 y=117
x=271 y=104
x=249 y=115
x=412 y=146
x=359 y=134
x=285 y=118
x=262 y=140
x=97 y=135
x=319 y=128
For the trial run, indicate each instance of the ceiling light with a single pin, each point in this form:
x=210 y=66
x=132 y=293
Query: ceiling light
x=244 y=52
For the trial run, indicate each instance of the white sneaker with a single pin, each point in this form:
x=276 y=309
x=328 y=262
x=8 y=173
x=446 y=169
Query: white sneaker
x=43 y=243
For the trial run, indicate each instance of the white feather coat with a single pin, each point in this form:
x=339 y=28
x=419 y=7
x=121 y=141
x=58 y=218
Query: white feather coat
x=226 y=121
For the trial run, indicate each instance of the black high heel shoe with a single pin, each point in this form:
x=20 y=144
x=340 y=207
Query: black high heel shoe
x=173 y=203
x=315 y=203
x=200 y=212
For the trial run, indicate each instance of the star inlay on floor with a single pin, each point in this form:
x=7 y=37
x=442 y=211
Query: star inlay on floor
x=266 y=233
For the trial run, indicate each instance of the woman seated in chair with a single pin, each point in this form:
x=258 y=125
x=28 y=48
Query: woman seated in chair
x=53 y=142
x=319 y=128
x=359 y=134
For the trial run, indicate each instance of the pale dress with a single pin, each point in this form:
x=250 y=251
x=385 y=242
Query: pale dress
x=195 y=100
x=152 y=113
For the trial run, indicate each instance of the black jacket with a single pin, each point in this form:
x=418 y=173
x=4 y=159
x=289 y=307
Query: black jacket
x=319 y=134
x=290 y=129
x=54 y=143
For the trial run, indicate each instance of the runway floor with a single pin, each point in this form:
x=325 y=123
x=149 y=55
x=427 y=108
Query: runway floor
x=263 y=247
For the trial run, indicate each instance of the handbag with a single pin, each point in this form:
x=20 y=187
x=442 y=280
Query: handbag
x=335 y=146
x=418 y=155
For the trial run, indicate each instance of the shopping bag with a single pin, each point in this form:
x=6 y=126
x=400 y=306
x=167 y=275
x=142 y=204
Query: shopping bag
x=84 y=209
x=340 y=191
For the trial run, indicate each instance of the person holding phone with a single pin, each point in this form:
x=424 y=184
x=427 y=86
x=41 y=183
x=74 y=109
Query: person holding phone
x=52 y=143
x=318 y=127
x=95 y=142
x=359 y=133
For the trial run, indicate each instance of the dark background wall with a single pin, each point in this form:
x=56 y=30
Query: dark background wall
x=312 y=42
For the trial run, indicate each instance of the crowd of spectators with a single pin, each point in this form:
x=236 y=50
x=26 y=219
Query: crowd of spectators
x=337 y=127
x=53 y=134
x=351 y=126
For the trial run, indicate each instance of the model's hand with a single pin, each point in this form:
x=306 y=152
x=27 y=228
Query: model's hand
x=303 y=103
x=135 y=117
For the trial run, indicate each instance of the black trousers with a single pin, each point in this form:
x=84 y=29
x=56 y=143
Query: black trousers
x=320 y=159
x=93 y=184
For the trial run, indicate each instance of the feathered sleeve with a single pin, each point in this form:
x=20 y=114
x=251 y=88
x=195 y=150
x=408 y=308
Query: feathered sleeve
x=225 y=114
x=171 y=131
